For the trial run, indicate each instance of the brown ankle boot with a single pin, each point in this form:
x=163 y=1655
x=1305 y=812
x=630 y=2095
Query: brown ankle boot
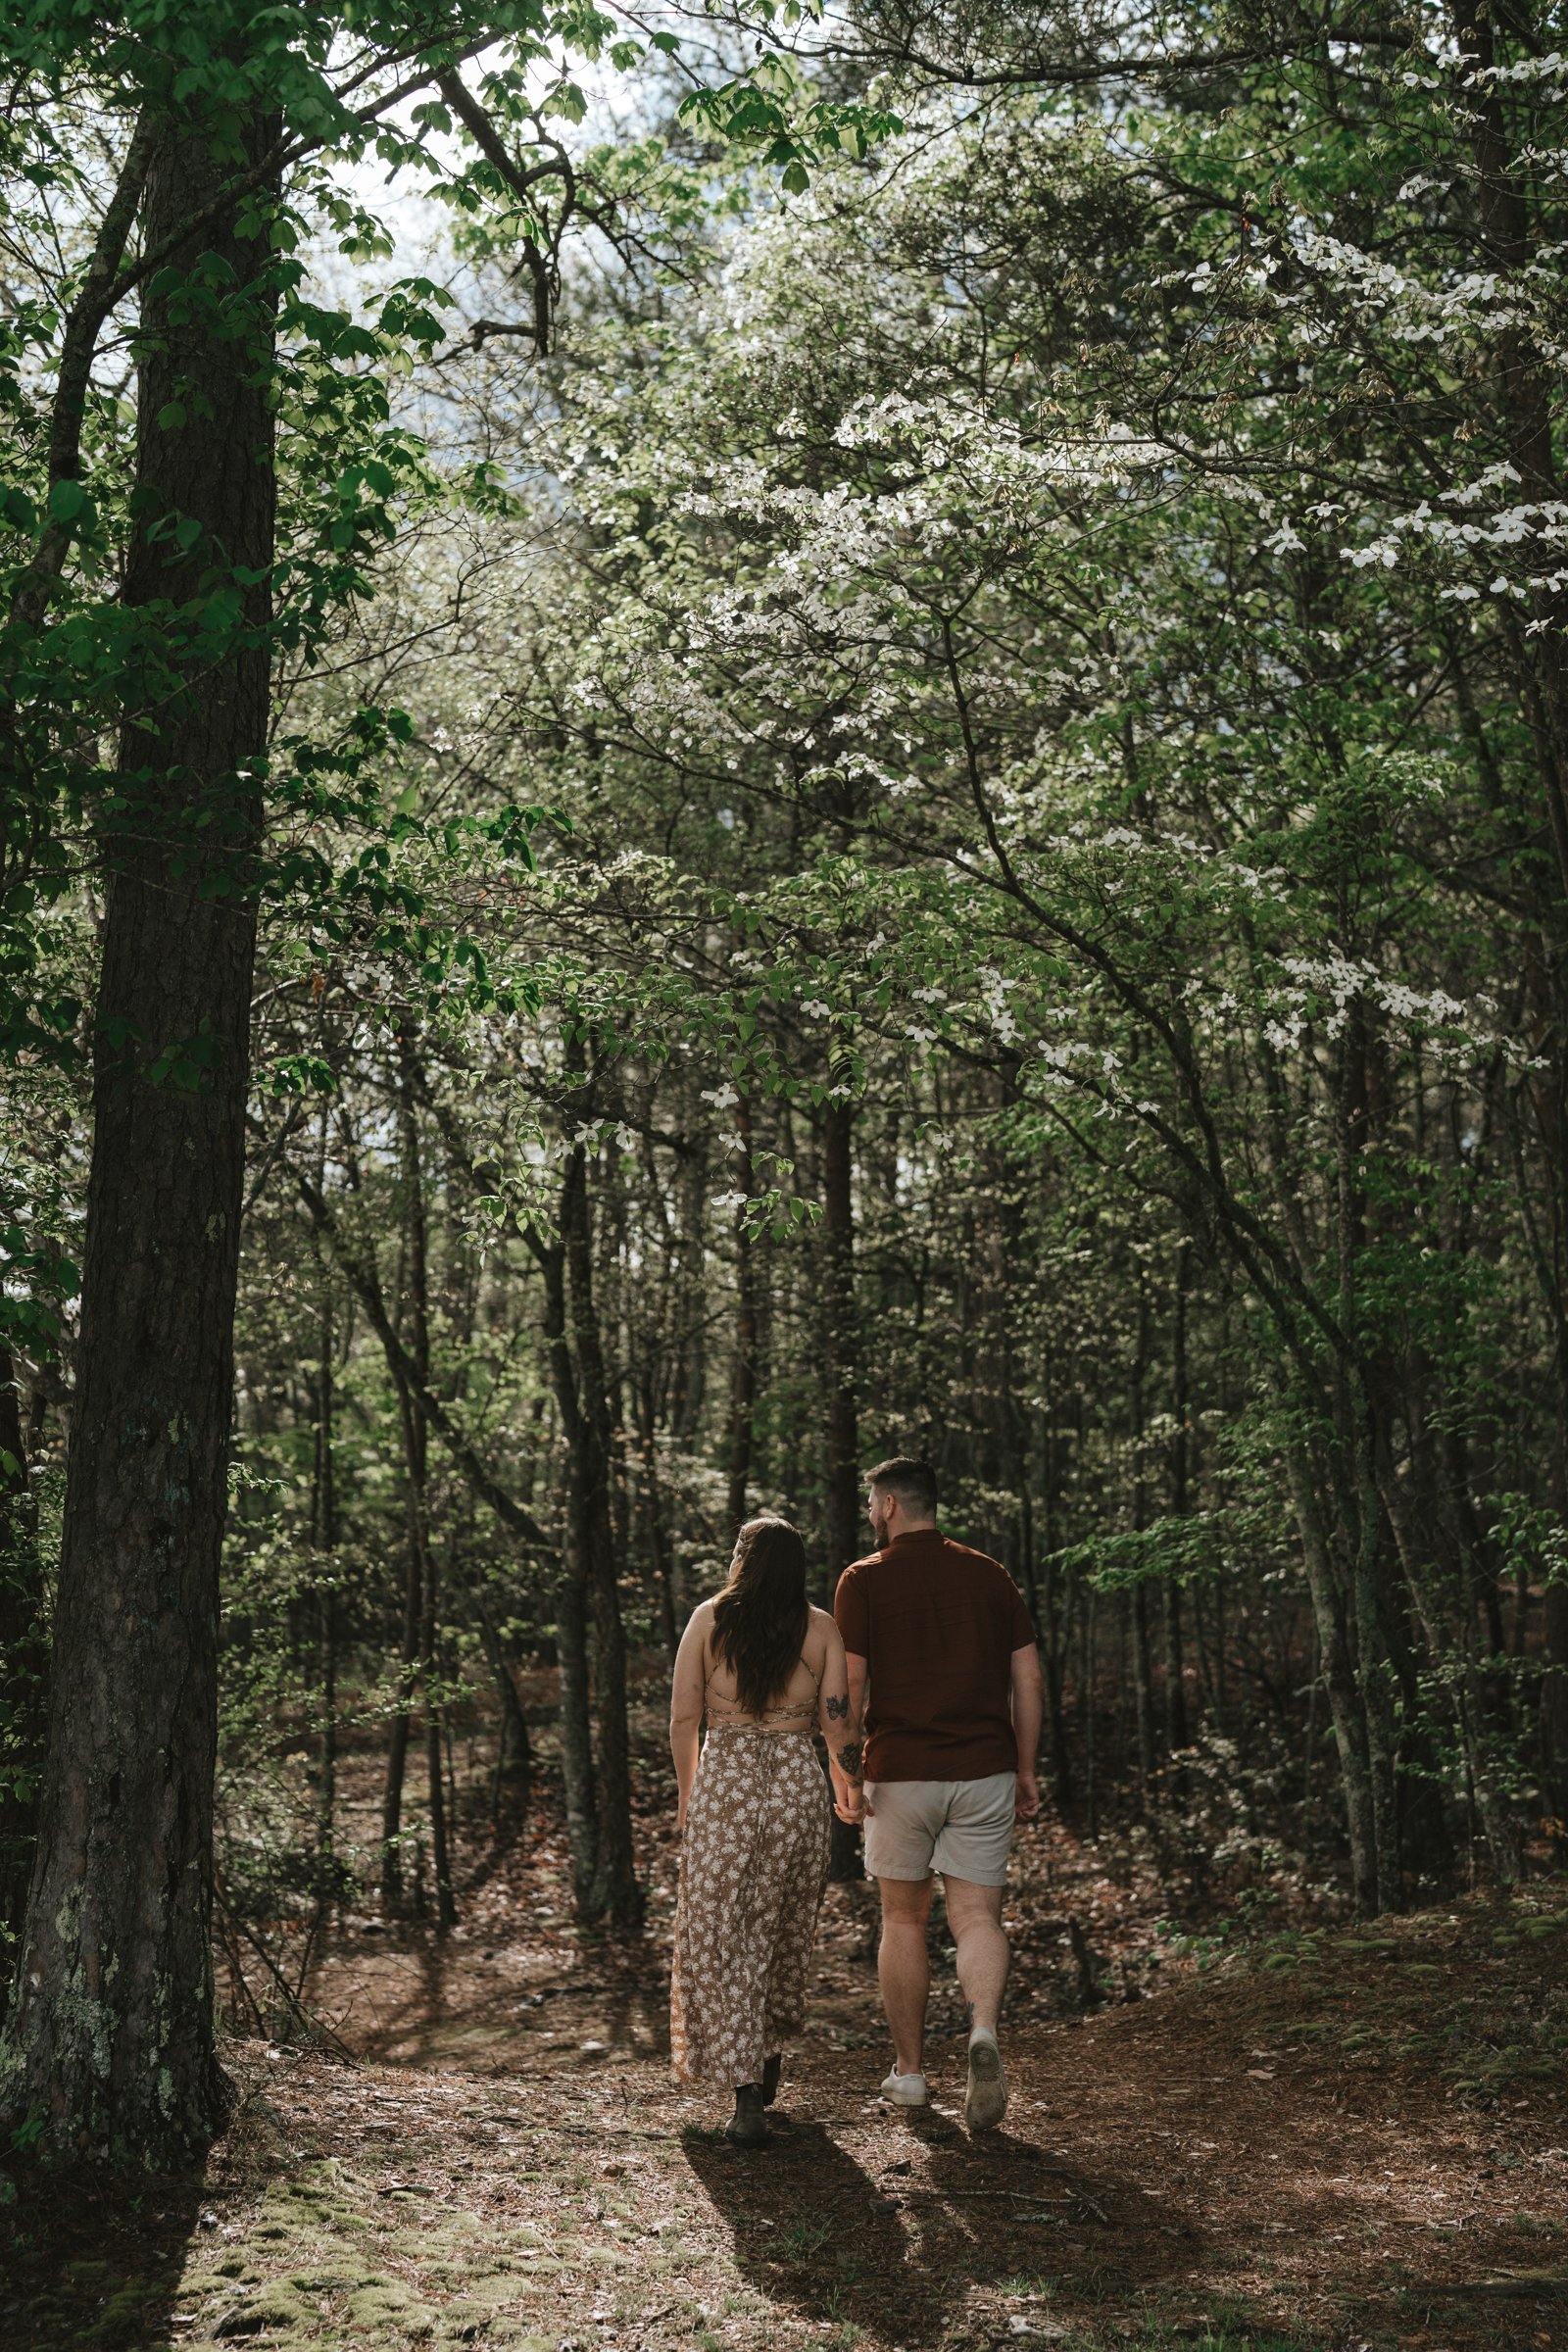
x=771 y=2071
x=746 y=2128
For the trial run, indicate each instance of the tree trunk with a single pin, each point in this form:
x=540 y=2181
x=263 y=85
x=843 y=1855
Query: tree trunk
x=397 y=1745
x=574 y=1699
x=1176 y=1732
x=1143 y=1661
x=616 y=1894
x=1553 y=1719
x=1338 y=1669
x=24 y=1670
x=324 y=1536
x=513 y=1747
x=446 y=1906
x=743 y=1363
x=840 y=1428
x=112 y=2039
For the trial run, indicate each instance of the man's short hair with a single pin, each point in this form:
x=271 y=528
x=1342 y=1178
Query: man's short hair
x=914 y=1483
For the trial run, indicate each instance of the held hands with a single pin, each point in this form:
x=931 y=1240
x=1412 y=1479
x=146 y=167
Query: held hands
x=1028 y=1801
x=851 y=1806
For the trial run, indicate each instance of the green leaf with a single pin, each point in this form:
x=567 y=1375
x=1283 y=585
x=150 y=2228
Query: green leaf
x=66 y=501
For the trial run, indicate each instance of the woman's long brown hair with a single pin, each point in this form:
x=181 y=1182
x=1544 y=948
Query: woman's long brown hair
x=759 y=1619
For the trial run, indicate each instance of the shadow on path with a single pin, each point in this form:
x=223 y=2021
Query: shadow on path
x=89 y=2261
x=813 y=2231
x=816 y=2231
x=1012 y=2207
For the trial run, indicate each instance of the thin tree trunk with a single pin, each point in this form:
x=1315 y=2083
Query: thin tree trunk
x=397 y=1747
x=840 y=1428
x=1053 y=1648
x=324 y=1538
x=1338 y=1680
x=617 y=1894
x=410 y=1378
x=743 y=1362
x=1143 y=1661
x=1553 y=1715
x=446 y=1906
x=112 y=2038
x=1176 y=1733
x=24 y=1664
x=573 y=1702
x=513 y=1747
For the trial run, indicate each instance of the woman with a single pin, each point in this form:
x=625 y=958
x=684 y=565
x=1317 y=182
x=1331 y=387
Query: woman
x=763 y=1668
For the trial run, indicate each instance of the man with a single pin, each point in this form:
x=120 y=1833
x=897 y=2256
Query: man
x=945 y=1674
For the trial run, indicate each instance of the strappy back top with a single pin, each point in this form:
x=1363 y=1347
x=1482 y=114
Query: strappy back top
x=795 y=1715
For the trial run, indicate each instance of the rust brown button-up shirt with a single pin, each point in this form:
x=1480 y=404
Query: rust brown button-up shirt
x=937 y=1624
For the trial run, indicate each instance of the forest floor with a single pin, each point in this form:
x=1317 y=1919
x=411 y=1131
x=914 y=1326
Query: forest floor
x=1323 y=2139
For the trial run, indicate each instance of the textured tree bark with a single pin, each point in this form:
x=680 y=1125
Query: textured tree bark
x=23 y=1665
x=841 y=1425
x=1513 y=246
x=615 y=1893
x=324 y=1536
x=1339 y=1677
x=1176 y=1733
x=417 y=1439
x=514 y=1774
x=1143 y=1659
x=111 y=2043
x=743 y=1366
x=689 y=1380
x=397 y=1745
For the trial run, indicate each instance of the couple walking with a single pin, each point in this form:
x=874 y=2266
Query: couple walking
x=925 y=1684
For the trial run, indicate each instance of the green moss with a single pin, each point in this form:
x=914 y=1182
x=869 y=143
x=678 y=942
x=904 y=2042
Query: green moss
x=218 y=2278
x=122 y=2319
x=383 y=2303
x=275 y=2310
x=326 y=2279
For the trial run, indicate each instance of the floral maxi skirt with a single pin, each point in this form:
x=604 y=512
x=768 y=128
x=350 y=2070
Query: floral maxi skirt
x=753 y=1866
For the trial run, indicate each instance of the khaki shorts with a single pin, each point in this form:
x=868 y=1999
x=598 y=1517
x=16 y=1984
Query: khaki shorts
x=959 y=1826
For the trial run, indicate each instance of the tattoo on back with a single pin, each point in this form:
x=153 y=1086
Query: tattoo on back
x=837 y=1709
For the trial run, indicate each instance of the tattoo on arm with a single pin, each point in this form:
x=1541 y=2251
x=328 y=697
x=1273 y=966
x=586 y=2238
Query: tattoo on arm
x=837 y=1709
x=850 y=1758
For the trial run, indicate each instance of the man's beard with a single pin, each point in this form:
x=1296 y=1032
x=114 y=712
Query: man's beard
x=879 y=1529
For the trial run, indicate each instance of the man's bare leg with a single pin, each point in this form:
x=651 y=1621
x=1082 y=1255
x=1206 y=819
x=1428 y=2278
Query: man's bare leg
x=974 y=1914
x=903 y=1968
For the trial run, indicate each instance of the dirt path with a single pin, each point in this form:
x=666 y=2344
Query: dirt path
x=1333 y=2141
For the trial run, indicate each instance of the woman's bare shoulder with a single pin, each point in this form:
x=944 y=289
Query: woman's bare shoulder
x=822 y=1626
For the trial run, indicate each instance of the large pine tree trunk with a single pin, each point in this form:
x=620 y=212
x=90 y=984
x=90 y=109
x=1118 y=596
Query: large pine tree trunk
x=112 y=2039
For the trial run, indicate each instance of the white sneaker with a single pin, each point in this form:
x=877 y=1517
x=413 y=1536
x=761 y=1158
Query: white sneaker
x=986 y=2099
x=904 y=2091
